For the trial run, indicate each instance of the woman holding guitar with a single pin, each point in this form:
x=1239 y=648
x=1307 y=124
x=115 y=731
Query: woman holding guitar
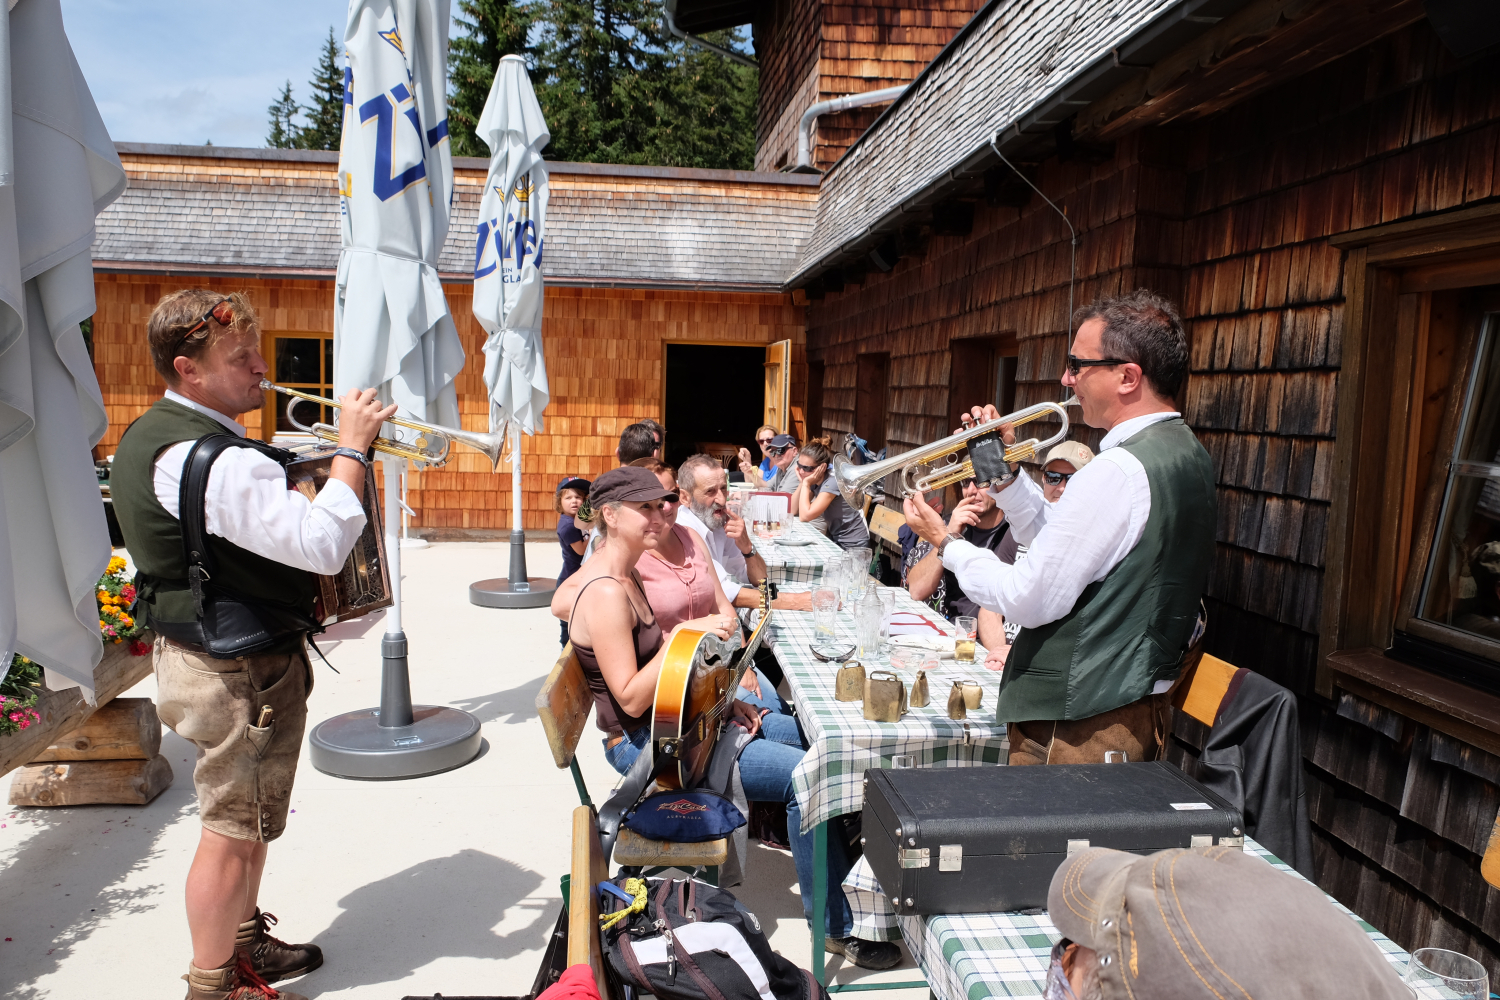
x=620 y=645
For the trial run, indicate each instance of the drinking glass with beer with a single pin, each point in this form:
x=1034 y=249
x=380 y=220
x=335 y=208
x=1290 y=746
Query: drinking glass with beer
x=963 y=638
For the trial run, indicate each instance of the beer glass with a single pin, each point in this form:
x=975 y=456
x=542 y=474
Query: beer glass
x=825 y=605
x=963 y=638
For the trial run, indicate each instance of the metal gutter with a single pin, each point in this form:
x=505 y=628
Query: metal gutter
x=1031 y=132
x=804 y=127
x=669 y=14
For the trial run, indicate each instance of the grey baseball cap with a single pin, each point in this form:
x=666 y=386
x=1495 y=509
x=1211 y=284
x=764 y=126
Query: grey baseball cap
x=1213 y=921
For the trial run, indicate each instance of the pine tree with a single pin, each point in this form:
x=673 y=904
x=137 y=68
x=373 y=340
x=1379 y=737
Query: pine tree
x=283 y=134
x=325 y=113
x=489 y=29
x=707 y=110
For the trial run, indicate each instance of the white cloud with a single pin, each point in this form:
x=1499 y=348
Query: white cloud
x=174 y=71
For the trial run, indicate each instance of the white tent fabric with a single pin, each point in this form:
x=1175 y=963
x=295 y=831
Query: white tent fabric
x=392 y=328
x=508 y=249
x=58 y=169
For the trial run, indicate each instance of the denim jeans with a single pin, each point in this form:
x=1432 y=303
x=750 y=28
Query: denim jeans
x=766 y=767
x=769 y=696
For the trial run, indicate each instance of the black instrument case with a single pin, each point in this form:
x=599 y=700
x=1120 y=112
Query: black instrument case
x=984 y=839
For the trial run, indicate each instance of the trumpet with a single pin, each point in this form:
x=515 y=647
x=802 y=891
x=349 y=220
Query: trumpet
x=989 y=458
x=430 y=447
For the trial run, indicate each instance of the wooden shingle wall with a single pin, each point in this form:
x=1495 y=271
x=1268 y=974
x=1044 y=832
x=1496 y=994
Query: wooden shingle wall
x=1232 y=216
x=815 y=50
x=604 y=365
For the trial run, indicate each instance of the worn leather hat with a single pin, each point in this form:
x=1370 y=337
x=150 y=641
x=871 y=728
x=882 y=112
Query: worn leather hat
x=630 y=484
x=1213 y=921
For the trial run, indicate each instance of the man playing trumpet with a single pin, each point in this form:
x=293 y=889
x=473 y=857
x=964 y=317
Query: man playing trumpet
x=246 y=715
x=1109 y=594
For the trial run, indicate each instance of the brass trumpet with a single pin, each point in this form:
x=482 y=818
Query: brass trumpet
x=987 y=454
x=429 y=448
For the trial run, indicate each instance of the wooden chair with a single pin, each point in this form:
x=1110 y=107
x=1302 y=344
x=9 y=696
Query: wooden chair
x=885 y=525
x=589 y=868
x=563 y=704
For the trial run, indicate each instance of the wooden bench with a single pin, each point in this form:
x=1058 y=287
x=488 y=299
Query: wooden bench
x=563 y=704
x=588 y=869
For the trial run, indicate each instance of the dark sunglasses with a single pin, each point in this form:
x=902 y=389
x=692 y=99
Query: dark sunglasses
x=221 y=313
x=807 y=468
x=1075 y=365
x=764 y=442
x=1055 y=478
x=778 y=451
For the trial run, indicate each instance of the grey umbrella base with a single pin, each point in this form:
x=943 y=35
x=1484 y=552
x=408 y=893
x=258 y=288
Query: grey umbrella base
x=427 y=739
x=356 y=745
x=497 y=593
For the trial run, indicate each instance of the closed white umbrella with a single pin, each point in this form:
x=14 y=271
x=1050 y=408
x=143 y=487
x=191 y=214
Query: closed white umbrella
x=58 y=169
x=508 y=297
x=392 y=330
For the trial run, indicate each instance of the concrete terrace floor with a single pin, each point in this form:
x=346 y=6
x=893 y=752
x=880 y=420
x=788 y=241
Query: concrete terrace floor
x=446 y=884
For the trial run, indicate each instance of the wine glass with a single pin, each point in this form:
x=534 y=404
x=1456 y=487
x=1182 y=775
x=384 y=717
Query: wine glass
x=1438 y=972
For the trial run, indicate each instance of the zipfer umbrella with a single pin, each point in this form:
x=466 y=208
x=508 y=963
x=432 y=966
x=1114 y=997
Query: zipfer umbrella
x=508 y=297
x=392 y=330
x=58 y=169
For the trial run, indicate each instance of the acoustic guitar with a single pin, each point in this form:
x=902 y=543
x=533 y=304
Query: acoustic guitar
x=694 y=692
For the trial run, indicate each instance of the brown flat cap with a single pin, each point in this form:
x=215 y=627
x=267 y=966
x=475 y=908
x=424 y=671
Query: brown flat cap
x=630 y=484
x=1213 y=922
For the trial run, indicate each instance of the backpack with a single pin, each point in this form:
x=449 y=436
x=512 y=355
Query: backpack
x=694 y=941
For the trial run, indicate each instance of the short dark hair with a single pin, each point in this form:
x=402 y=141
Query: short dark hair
x=636 y=441
x=1145 y=328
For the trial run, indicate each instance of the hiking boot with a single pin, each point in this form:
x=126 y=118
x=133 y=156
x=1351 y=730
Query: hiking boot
x=234 y=980
x=273 y=959
x=875 y=955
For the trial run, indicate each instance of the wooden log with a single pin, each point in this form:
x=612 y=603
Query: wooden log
x=125 y=729
x=91 y=782
x=64 y=711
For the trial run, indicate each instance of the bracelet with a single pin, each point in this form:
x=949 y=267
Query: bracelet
x=358 y=456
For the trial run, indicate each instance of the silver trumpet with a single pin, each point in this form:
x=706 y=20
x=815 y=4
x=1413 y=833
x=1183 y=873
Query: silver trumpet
x=430 y=447
x=982 y=441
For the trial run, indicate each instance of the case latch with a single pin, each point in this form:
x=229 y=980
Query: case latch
x=1074 y=846
x=951 y=858
x=913 y=857
x=1232 y=842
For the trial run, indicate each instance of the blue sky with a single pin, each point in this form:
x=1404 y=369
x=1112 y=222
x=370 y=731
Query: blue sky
x=188 y=72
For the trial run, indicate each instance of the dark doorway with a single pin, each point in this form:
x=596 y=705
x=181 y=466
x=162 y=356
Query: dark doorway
x=714 y=400
x=814 y=399
x=872 y=389
x=983 y=371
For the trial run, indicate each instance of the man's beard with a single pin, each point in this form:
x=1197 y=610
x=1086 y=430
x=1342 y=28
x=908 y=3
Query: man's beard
x=712 y=515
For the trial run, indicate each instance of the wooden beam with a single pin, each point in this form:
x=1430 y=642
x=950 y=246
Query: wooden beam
x=1266 y=43
x=64 y=711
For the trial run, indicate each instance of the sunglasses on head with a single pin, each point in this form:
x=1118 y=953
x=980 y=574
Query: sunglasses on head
x=221 y=313
x=1055 y=478
x=1075 y=365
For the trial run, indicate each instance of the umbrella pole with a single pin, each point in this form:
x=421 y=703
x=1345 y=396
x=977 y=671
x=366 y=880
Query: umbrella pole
x=518 y=579
x=396 y=740
x=516 y=590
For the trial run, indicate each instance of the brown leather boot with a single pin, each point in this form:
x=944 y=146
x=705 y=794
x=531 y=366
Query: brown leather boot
x=234 y=980
x=273 y=959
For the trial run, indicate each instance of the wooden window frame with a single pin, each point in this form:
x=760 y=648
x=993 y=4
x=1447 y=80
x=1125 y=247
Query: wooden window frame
x=268 y=340
x=1382 y=518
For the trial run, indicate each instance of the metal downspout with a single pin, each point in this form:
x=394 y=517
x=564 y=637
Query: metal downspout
x=804 y=127
x=669 y=11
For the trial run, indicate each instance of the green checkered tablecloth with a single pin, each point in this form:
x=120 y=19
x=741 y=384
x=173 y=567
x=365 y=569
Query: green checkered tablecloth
x=795 y=563
x=971 y=956
x=830 y=780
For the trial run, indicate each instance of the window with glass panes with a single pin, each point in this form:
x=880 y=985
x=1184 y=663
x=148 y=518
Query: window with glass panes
x=302 y=361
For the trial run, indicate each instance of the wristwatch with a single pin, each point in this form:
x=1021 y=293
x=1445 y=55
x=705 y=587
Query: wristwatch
x=950 y=537
x=358 y=456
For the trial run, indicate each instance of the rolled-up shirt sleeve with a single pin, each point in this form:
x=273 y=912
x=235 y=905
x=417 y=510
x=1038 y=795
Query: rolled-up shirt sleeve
x=248 y=503
x=1099 y=519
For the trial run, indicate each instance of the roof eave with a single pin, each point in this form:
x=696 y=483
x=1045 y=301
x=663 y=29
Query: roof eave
x=1030 y=135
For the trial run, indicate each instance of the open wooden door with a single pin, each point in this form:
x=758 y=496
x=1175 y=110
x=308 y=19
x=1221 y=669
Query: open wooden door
x=779 y=385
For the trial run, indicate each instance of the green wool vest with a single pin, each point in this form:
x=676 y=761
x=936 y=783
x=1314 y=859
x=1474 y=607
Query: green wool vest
x=154 y=537
x=1129 y=630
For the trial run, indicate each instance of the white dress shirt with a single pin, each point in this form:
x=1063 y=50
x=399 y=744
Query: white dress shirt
x=1072 y=543
x=729 y=561
x=249 y=504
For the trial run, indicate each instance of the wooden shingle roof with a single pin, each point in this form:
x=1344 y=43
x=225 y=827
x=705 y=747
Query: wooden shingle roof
x=275 y=212
x=1018 y=69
